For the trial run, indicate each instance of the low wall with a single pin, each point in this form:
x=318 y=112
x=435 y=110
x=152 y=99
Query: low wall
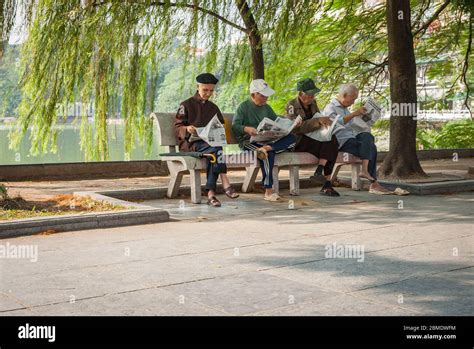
x=436 y=154
x=83 y=170
x=120 y=169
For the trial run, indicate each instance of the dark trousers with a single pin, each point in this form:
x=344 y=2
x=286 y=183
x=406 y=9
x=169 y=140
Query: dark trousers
x=213 y=169
x=266 y=165
x=322 y=150
x=363 y=146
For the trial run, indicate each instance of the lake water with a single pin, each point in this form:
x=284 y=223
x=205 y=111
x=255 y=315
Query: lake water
x=69 y=149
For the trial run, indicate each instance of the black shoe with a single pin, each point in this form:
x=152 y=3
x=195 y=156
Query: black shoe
x=318 y=178
x=329 y=191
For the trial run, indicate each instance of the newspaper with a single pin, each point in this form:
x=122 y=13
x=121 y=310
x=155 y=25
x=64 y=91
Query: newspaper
x=269 y=131
x=324 y=134
x=365 y=122
x=213 y=133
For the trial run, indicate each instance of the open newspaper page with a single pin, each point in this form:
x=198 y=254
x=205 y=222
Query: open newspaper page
x=269 y=131
x=213 y=133
x=324 y=134
x=365 y=122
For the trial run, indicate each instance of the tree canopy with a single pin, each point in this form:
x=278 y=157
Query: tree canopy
x=110 y=52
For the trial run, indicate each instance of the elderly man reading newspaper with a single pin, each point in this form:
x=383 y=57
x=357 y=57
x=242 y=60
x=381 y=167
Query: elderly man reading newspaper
x=252 y=134
x=194 y=128
x=354 y=140
x=307 y=135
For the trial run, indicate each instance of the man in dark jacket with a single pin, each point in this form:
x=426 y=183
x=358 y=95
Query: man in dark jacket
x=305 y=106
x=195 y=112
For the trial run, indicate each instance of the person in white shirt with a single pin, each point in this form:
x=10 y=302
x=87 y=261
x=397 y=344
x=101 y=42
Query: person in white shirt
x=361 y=145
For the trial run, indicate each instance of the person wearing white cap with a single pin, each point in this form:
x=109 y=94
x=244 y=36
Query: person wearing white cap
x=244 y=125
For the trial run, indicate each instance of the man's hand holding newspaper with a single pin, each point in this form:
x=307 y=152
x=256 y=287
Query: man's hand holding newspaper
x=329 y=126
x=213 y=133
x=365 y=122
x=269 y=131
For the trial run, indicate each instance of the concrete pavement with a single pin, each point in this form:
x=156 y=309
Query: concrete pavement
x=391 y=255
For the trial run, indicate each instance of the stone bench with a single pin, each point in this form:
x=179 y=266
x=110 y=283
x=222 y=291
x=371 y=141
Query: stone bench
x=180 y=165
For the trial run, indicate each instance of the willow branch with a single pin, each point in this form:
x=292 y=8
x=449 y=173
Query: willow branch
x=190 y=6
x=466 y=65
x=432 y=18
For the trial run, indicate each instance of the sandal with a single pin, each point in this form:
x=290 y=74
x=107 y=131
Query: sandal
x=273 y=198
x=262 y=153
x=231 y=193
x=369 y=178
x=401 y=192
x=213 y=202
x=380 y=191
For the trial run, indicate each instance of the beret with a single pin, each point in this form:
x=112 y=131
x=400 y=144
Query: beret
x=206 y=78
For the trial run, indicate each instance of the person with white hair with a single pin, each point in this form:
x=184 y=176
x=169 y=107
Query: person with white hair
x=362 y=144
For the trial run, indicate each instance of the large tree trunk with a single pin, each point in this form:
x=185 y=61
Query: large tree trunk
x=401 y=161
x=255 y=39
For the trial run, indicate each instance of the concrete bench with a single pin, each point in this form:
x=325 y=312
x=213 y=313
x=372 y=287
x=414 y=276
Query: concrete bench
x=180 y=165
x=355 y=162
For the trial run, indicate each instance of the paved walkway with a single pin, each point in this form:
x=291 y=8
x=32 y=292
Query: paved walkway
x=409 y=257
x=38 y=190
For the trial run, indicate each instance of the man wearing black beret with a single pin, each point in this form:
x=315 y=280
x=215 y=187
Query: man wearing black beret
x=206 y=78
x=194 y=112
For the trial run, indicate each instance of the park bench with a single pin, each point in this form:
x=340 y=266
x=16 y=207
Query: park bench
x=180 y=165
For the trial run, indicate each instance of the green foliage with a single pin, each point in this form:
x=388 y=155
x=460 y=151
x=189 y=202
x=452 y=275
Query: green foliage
x=348 y=44
x=3 y=192
x=10 y=94
x=109 y=51
x=454 y=134
x=133 y=56
x=425 y=138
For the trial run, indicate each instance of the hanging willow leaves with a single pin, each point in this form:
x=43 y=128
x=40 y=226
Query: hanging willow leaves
x=108 y=52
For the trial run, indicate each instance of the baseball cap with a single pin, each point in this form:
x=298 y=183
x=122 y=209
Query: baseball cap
x=260 y=86
x=307 y=86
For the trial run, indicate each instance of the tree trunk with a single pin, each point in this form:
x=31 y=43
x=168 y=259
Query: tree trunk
x=401 y=161
x=255 y=39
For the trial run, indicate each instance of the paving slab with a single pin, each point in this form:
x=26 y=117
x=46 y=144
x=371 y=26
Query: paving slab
x=150 y=302
x=446 y=293
x=251 y=292
x=340 y=305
